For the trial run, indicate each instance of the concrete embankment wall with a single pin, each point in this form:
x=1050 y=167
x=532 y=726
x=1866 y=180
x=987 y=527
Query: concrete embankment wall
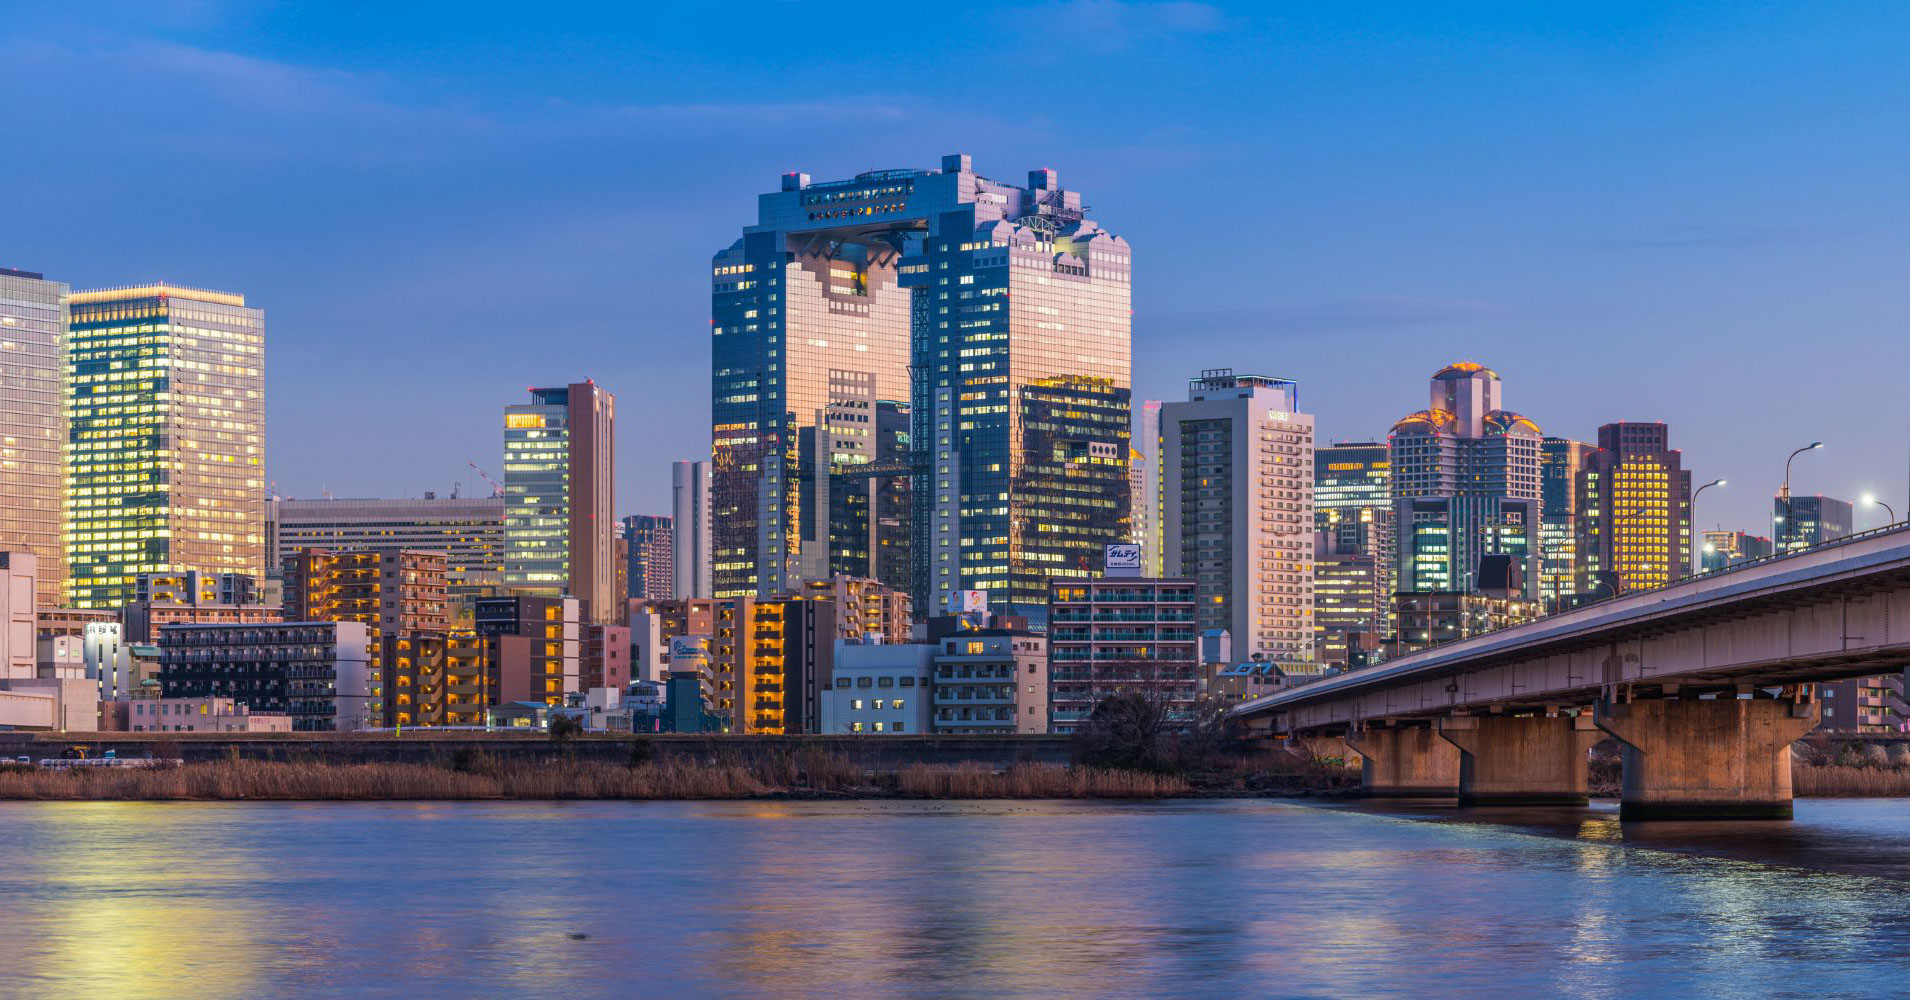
x=871 y=753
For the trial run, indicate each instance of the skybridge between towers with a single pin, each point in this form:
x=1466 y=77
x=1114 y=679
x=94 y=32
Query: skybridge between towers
x=1704 y=683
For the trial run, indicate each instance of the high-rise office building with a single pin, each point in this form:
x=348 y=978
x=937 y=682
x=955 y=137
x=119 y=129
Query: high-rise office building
x=559 y=525
x=805 y=301
x=1633 y=511
x=1007 y=302
x=1238 y=509
x=1560 y=460
x=690 y=534
x=854 y=480
x=33 y=424
x=651 y=552
x=468 y=530
x=1353 y=553
x=1802 y=522
x=1724 y=549
x=1466 y=484
x=1145 y=475
x=1021 y=344
x=165 y=397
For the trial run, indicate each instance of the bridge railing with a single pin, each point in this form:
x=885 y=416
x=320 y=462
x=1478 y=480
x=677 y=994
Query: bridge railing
x=1748 y=564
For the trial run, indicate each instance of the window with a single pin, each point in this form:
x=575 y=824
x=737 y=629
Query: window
x=895 y=727
x=863 y=682
x=842 y=682
x=856 y=704
x=855 y=727
x=897 y=705
x=885 y=682
x=908 y=682
x=878 y=727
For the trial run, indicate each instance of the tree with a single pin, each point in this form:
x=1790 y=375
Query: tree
x=1125 y=730
x=563 y=729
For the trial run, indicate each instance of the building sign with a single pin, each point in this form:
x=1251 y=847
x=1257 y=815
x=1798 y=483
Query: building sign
x=969 y=602
x=1123 y=559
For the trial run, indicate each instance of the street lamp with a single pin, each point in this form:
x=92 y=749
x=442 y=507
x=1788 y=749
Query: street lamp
x=1693 y=512
x=1869 y=499
x=1784 y=494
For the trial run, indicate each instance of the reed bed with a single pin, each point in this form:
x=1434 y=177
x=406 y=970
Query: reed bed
x=1839 y=781
x=1034 y=781
x=781 y=775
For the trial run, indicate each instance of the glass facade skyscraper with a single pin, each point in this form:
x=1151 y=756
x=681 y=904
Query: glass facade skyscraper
x=1005 y=300
x=165 y=399
x=1804 y=521
x=805 y=301
x=33 y=425
x=559 y=529
x=1353 y=551
x=1021 y=339
x=1560 y=460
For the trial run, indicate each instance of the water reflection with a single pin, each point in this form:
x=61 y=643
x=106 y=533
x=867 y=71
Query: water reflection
x=937 y=899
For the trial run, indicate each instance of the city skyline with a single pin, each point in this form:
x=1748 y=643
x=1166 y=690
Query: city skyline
x=1723 y=254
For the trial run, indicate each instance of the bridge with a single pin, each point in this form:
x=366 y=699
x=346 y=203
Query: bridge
x=1704 y=683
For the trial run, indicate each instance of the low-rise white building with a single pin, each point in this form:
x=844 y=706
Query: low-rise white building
x=991 y=681
x=878 y=688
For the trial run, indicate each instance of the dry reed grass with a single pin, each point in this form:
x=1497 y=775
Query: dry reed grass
x=1836 y=781
x=788 y=774
x=1034 y=781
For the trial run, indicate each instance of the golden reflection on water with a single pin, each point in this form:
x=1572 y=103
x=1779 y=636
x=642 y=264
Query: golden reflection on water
x=121 y=920
x=912 y=899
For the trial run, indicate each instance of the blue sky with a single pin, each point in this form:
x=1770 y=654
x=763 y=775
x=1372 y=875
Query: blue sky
x=1682 y=212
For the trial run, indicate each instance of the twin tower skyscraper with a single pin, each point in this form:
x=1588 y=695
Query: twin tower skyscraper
x=924 y=377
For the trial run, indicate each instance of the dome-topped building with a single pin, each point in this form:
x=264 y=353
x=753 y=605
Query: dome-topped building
x=1466 y=483
x=1425 y=421
x=1508 y=422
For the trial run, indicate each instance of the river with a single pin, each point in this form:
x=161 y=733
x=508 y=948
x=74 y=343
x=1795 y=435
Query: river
x=913 y=899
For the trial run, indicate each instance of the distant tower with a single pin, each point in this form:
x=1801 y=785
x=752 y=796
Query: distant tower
x=651 y=551
x=1353 y=551
x=1146 y=477
x=1238 y=510
x=33 y=425
x=1559 y=465
x=690 y=529
x=166 y=469
x=1634 y=510
x=1466 y=484
x=559 y=520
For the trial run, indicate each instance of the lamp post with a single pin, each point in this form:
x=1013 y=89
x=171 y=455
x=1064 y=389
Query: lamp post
x=1784 y=493
x=1870 y=499
x=1692 y=565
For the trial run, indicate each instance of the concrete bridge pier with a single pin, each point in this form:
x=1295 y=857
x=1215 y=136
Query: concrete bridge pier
x=1405 y=763
x=1706 y=759
x=1521 y=760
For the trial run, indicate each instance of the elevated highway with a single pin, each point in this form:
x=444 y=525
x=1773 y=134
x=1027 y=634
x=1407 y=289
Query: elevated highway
x=1705 y=682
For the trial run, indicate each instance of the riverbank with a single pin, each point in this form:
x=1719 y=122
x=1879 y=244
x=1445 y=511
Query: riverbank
x=478 y=779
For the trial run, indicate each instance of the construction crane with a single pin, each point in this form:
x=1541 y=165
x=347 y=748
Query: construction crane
x=497 y=488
